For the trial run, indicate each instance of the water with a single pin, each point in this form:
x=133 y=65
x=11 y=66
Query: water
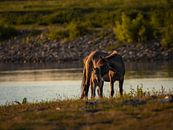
x=46 y=82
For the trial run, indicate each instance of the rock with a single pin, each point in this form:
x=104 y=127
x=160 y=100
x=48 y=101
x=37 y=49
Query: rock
x=58 y=108
x=39 y=49
x=167 y=98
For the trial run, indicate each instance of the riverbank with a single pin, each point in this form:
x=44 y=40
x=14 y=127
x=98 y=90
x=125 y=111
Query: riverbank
x=135 y=113
x=38 y=49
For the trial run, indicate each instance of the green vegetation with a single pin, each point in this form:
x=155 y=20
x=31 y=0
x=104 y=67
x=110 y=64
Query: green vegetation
x=136 y=110
x=132 y=20
x=167 y=39
x=70 y=32
x=135 y=30
x=7 y=32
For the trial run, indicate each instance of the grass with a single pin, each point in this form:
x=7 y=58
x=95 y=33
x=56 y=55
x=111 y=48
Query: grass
x=76 y=114
x=139 y=111
x=25 y=5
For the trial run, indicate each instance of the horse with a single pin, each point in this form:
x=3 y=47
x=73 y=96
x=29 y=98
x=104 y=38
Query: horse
x=109 y=65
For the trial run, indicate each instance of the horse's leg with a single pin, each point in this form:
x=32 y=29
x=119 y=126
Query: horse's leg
x=121 y=81
x=92 y=90
x=88 y=78
x=85 y=91
x=82 y=95
x=83 y=85
x=111 y=79
x=112 y=88
x=87 y=87
x=101 y=89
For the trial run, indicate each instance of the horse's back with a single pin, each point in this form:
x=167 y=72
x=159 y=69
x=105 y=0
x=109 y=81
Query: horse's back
x=116 y=62
x=95 y=55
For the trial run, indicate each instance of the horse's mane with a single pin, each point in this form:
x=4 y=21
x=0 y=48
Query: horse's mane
x=114 y=53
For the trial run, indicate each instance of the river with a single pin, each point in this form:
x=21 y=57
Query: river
x=47 y=82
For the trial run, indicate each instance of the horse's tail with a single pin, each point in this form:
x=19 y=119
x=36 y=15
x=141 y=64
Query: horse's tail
x=83 y=82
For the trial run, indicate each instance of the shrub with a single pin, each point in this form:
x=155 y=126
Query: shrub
x=70 y=32
x=27 y=18
x=57 y=34
x=122 y=29
x=167 y=36
x=7 y=32
x=75 y=29
x=133 y=30
x=156 y=20
x=63 y=17
x=98 y=19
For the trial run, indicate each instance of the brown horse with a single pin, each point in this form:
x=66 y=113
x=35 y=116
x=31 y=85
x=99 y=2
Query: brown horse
x=111 y=68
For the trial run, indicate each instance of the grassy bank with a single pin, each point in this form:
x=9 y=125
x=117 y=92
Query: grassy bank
x=111 y=114
x=69 y=19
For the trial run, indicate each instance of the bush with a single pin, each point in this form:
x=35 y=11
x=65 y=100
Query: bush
x=58 y=34
x=7 y=32
x=27 y=19
x=75 y=29
x=98 y=19
x=167 y=37
x=63 y=17
x=133 y=30
x=122 y=29
x=71 y=31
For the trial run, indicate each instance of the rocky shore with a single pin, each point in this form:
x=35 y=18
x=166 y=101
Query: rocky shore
x=39 y=50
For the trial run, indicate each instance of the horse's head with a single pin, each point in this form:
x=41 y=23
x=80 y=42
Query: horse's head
x=96 y=75
x=102 y=65
x=105 y=65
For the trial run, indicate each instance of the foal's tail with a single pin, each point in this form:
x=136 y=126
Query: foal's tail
x=83 y=82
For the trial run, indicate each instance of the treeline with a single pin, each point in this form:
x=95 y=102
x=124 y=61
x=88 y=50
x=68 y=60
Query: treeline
x=131 y=20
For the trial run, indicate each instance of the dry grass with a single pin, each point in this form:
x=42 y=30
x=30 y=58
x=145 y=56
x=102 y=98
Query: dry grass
x=106 y=114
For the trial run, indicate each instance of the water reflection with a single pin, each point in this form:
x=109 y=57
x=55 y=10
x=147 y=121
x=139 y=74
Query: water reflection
x=133 y=70
x=149 y=70
x=40 y=66
x=41 y=75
